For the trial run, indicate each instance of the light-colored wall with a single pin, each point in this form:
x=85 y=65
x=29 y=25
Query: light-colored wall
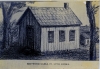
x=86 y=42
x=45 y=46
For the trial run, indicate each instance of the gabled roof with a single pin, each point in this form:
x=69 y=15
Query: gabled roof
x=50 y=16
x=15 y=17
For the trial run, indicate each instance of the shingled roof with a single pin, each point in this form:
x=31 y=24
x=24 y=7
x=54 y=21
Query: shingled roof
x=50 y=16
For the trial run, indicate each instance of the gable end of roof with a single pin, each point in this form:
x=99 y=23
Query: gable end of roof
x=18 y=22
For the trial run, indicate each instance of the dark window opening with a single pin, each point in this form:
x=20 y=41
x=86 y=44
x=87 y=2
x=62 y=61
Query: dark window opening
x=50 y=36
x=61 y=36
x=72 y=35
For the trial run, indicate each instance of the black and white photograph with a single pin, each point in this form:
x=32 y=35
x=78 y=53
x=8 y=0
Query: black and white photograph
x=31 y=30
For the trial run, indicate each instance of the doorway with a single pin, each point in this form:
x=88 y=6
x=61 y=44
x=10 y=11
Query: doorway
x=30 y=37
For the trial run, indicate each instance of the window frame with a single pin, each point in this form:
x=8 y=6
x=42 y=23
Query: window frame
x=50 y=36
x=72 y=35
x=61 y=35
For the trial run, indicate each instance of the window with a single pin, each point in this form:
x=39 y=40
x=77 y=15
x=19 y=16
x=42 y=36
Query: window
x=50 y=36
x=87 y=41
x=72 y=35
x=61 y=36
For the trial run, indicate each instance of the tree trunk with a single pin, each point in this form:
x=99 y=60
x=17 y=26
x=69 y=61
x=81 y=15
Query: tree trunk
x=5 y=27
x=92 y=30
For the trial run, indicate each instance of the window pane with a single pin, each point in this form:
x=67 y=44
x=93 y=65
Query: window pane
x=61 y=36
x=72 y=35
x=50 y=36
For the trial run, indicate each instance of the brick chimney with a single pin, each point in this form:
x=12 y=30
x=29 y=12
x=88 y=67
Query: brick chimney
x=66 y=5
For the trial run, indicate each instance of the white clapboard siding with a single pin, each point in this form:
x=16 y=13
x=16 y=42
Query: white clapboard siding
x=67 y=39
x=56 y=39
x=56 y=45
x=45 y=39
x=64 y=47
x=78 y=38
x=42 y=36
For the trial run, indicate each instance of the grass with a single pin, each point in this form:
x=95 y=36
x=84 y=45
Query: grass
x=73 y=55
x=77 y=54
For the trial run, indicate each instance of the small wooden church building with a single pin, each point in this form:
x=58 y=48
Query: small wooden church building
x=47 y=28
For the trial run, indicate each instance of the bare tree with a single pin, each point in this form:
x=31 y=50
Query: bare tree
x=91 y=11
